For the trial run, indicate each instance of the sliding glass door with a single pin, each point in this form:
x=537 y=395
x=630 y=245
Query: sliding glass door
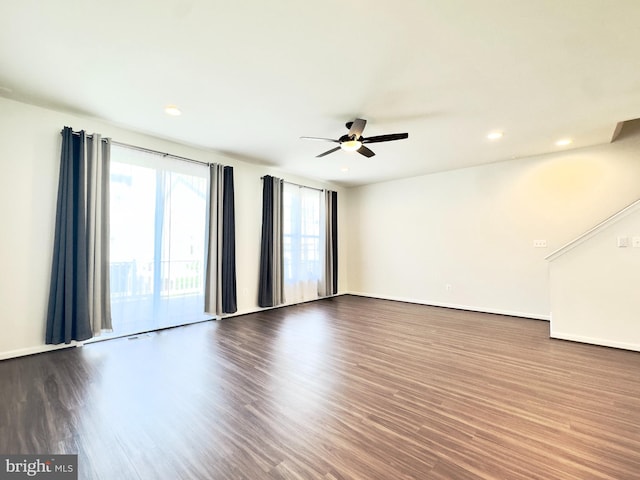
x=158 y=219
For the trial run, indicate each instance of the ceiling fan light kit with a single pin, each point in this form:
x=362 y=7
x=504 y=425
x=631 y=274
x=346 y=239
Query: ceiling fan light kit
x=351 y=145
x=354 y=141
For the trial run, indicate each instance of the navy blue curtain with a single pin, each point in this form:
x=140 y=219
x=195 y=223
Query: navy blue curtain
x=334 y=241
x=266 y=285
x=229 y=294
x=68 y=312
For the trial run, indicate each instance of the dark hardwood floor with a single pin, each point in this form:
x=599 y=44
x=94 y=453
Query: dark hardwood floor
x=343 y=388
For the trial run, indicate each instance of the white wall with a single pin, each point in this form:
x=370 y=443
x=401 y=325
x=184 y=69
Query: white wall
x=29 y=163
x=473 y=228
x=594 y=288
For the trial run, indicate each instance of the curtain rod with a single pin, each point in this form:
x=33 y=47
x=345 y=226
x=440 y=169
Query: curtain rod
x=298 y=185
x=149 y=150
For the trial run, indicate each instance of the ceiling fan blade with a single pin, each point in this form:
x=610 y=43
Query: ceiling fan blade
x=321 y=139
x=385 y=138
x=357 y=127
x=328 y=152
x=365 y=151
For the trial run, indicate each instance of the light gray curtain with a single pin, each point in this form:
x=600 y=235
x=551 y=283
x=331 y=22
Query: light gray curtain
x=329 y=283
x=278 y=274
x=79 y=299
x=271 y=282
x=213 y=275
x=220 y=273
x=98 y=154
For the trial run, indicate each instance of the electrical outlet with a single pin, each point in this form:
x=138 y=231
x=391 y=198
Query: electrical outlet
x=635 y=242
x=539 y=244
x=623 y=242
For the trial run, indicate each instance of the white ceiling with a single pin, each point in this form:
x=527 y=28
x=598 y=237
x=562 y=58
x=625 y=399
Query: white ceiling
x=252 y=76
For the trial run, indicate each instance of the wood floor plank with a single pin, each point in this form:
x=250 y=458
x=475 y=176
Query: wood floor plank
x=339 y=389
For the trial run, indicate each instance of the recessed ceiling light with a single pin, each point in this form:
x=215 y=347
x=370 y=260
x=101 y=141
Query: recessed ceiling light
x=495 y=135
x=172 y=110
x=344 y=169
x=563 y=142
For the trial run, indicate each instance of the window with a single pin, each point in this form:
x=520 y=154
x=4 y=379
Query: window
x=157 y=240
x=301 y=242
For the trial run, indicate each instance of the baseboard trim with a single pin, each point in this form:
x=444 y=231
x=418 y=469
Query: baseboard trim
x=282 y=305
x=603 y=342
x=509 y=313
x=23 y=352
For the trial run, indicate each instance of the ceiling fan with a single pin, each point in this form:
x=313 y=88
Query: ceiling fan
x=353 y=141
